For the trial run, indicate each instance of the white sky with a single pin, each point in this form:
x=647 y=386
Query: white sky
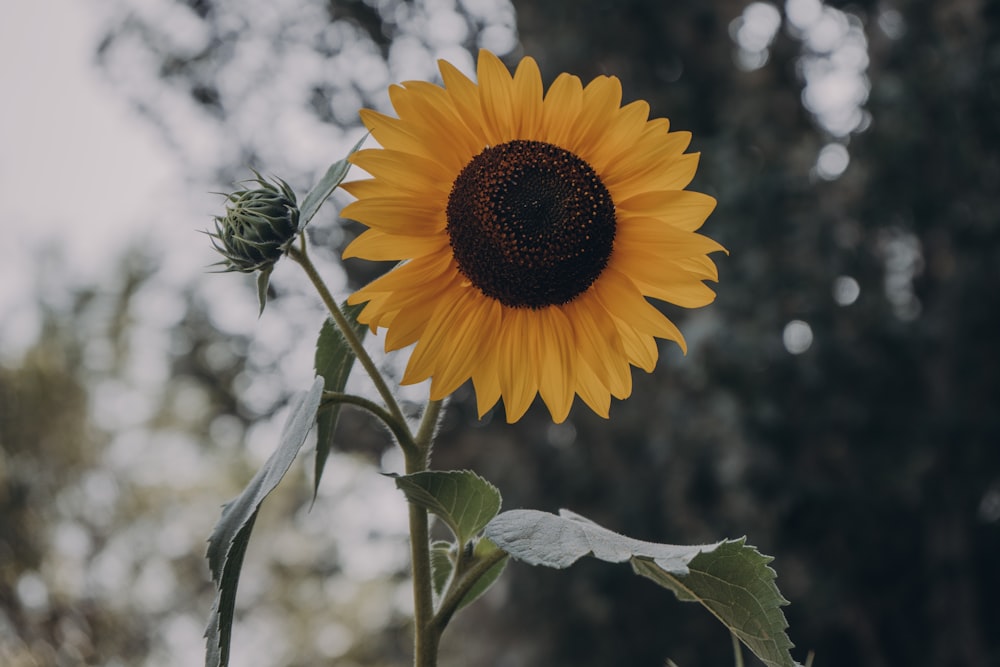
x=79 y=170
x=70 y=141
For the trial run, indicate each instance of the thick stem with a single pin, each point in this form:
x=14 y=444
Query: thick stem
x=301 y=256
x=428 y=427
x=425 y=638
x=416 y=450
x=427 y=635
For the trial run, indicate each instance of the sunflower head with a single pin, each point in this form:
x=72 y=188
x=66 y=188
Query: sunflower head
x=258 y=227
x=531 y=227
x=530 y=224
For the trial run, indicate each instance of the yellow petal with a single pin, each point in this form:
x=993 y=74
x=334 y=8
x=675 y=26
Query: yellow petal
x=666 y=273
x=681 y=208
x=399 y=215
x=685 y=294
x=381 y=247
x=656 y=239
x=405 y=171
x=560 y=108
x=448 y=349
x=415 y=274
x=657 y=127
x=496 y=98
x=673 y=174
x=699 y=266
x=671 y=272
x=620 y=136
x=557 y=373
x=528 y=100
x=426 y=106
x=592 y=391
x=601 y=100
x=640 y=348
x=415 y=306
x=464 y=96
x=518 y=362
x=486 y=382
x=409 y=324
x=599 y=343
x=393 y=134
x=620 y=296
x=654 y=149
x=405 y=309
x=368 y=187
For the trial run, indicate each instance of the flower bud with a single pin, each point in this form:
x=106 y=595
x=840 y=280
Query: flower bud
x=259 y=226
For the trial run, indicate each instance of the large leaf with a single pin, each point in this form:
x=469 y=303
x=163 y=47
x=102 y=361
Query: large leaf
x=334 y=360
x=322 y=190
x=540 y=538
x=731 y=579
x=461 y=498
x=228 y=543
x=735 y=583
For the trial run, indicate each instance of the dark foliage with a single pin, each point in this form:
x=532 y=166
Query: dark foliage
x=868 y=464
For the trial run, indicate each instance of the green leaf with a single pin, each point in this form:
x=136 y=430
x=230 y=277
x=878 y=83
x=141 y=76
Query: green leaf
x=482 y=550
x=442 y=564
x=540 y=538
x=263 y=279
x=319 y=194
x=731 y=579
x=228 y=543
x=464 y=500
x=334 y=360
x=735 y=583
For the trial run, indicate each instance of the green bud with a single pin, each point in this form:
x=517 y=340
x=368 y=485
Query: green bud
x=258 y=228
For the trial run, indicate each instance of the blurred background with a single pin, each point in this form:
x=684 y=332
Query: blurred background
x=840 y=403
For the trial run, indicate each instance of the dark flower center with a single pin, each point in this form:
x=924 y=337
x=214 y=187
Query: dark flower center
x=531 y=224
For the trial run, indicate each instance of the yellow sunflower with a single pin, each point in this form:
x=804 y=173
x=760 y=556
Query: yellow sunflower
x=532 y=227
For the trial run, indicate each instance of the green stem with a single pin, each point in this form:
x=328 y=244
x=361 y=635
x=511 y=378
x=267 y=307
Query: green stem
x=427 y=635
x=301 y=256
x=399 y=430
x=737 y=650
x=416 y=451
x=428 y=426
x=463 y=583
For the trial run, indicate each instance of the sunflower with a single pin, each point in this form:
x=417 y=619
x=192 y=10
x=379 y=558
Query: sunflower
x=531 y=228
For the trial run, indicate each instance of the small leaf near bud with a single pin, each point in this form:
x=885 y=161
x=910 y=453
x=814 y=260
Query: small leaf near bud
x=259 y=226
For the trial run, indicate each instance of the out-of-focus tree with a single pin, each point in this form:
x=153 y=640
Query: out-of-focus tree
x=57 y=503
x=47 y=448
x=121 y=432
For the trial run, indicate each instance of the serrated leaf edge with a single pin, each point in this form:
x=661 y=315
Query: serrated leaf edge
x=433 y=504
